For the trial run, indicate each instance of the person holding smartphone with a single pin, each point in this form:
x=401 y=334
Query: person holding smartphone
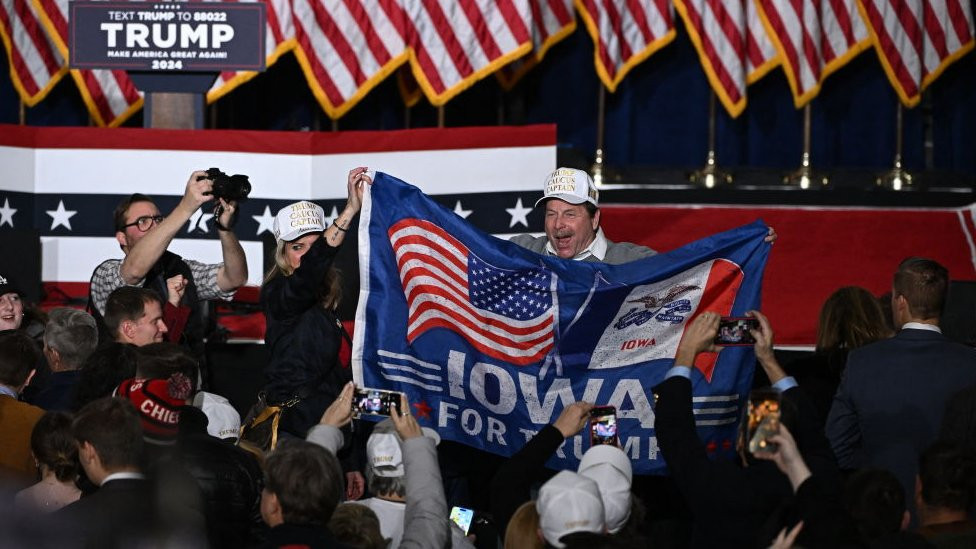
x=731 y=501
x=299 y=297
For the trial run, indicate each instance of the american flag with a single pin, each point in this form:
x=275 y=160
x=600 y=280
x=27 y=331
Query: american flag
x=506 y=314
x=279 y=39
x=345 y=48
x=718 y=31
x=625 y=33
x=814 y=38
x=551 y=21
x=36 y=65
x=110 y=96
x=917 y=39
x=761 y=54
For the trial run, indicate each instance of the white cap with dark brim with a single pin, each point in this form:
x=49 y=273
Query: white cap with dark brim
x=297 y=220
x=570 y=185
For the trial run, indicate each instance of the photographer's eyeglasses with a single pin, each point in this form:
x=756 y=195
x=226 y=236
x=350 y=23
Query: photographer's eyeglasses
x=145 y=222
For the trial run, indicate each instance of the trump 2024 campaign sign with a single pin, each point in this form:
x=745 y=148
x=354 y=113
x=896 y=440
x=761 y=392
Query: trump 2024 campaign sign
x=491 y=341
x=167 y=36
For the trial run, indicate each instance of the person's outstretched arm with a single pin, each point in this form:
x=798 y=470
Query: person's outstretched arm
x=233 y=273
x=425 y=521
x=511 y=485
x=141 y=257
x=327 y=433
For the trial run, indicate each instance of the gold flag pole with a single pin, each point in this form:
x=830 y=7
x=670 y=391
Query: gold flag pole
x=597 y=169
x=897 y=179
x=804 y=177
x=23 y=112
x=710 y=176
x=440 y=116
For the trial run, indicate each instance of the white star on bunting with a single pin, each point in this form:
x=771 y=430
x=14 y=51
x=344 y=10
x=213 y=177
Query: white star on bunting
x=265 y=221
x=331 y=217
x=61 y=216
x=519 y=214
x=461 y=211
x=7 y=213
x=199 y=219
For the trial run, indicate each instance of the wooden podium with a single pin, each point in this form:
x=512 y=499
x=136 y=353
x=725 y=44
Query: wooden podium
x=174 y=100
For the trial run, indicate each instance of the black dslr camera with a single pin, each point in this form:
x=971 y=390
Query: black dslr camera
x=229 y=187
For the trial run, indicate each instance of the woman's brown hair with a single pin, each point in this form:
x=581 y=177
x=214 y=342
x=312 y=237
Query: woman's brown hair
x=851 y=317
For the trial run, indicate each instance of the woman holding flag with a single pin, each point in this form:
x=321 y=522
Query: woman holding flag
x=299 y=297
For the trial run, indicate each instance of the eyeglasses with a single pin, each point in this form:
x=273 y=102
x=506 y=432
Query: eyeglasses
x=145 y=222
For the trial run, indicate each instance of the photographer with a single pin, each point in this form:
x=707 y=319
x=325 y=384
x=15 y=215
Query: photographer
x=144 y=234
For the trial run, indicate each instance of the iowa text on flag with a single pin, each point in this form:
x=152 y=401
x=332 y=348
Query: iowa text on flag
x=491 y=341
x=506 y=314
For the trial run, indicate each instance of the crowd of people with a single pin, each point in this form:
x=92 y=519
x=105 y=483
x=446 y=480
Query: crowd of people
x=110 y=437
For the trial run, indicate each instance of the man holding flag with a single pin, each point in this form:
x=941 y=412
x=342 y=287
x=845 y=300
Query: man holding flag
x=572 y=221
x=491 y=341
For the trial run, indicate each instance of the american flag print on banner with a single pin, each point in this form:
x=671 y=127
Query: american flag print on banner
x=718 y=31
x=917 y=39
x=625 y=33
x=110 y=95
x=35 y=63
x=506 y=314
x=814 y=38
x=490 y=341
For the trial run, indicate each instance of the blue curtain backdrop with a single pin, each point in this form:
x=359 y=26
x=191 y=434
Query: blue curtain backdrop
x=658 y=116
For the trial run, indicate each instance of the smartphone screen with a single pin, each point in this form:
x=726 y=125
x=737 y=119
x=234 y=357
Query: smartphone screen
x=603 y=425
x=462 y=517
x=735 y=331
x=374 y=402
x=763 y=420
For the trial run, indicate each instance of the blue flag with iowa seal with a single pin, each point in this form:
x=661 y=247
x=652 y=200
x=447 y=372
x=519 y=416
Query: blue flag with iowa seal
x=490 y=341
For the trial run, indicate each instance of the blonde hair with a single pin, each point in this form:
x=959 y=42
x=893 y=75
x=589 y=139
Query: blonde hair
x=331 y=289
x=523 y=528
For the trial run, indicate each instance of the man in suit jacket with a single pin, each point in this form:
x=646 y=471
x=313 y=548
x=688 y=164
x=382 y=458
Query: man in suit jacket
x=890 y=402
x=18 y=355
x=736 y=506
x=122 y=512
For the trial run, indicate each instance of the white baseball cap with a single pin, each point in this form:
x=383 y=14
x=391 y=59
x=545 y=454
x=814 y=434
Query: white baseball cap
x=567 y=503
x=384 y=455
x=298 y=219
x=223 y=421
x=609 y=467
x=570 y=185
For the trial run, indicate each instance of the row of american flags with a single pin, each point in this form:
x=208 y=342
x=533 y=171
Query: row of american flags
x=346 y=47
